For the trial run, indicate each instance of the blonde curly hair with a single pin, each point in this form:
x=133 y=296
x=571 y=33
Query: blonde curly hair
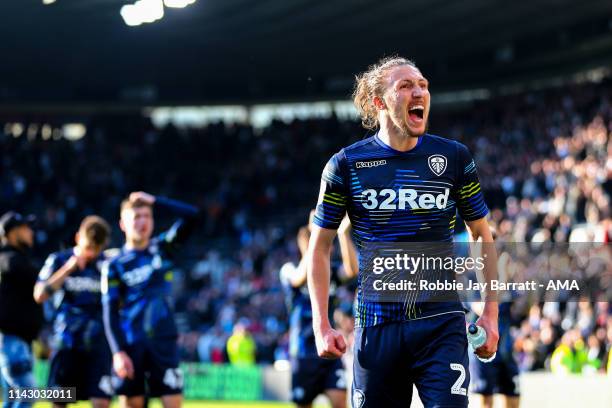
x=369 y=84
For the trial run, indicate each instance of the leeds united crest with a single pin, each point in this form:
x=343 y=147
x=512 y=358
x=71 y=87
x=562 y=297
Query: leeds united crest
x=437 y=164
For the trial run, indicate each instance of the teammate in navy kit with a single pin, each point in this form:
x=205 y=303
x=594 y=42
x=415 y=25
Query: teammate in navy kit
x=500 y=376
x=137 y=304
x=70 y=283
x=400 y=185
x=312 y=375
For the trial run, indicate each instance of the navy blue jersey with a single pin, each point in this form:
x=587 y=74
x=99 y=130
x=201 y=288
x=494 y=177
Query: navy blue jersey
x=76 y=308
x=506 y=343
x=394 y=196
x=301 y=336
x=137 y=284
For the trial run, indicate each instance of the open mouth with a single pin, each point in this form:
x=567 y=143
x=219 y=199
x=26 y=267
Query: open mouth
x=416 y=112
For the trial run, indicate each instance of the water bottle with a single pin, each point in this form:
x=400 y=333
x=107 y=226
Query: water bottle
x=477 y=336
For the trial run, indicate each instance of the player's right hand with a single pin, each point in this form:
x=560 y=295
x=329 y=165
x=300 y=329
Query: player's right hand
x=141 y=196
x=488 y=321
x=330 y=343
x=122 y=364
x=78 y=260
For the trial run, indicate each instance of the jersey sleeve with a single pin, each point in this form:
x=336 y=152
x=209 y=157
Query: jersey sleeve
x=50 y=307
x=183 y=227
x=51 y=265
x=111 y=297
x=333 y=195
x=470 y=200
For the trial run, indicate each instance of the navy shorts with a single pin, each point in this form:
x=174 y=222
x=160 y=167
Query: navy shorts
x=87 y=370
x=312 y=376
x=156 y=369
x=500 y=376
x=430 y=353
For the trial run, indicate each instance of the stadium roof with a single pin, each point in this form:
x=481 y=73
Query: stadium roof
x=244 y=50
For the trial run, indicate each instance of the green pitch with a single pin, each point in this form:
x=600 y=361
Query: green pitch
x=195 y=404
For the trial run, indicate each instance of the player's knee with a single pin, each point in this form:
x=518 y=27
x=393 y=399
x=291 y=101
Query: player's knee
x=337 y=398
x=512 y=402
x=487 y=401
x=131 y=402
x=100 y=403
x=172 y=401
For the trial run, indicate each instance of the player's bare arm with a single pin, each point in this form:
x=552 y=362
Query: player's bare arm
x=43 y=290
x=347 y=249
x=122 y=364
x=330 y=343
x=481 y=232
x=298 y=276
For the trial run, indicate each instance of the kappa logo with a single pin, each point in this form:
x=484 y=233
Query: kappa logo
x=358 y=398
x=373 y=163
x=437 y=164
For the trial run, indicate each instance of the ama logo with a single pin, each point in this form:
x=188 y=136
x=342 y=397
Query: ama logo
x=437 y=164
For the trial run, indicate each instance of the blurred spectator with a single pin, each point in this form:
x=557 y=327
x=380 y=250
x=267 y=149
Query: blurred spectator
x=241 y=346
x=211 y=345
x=565 y=359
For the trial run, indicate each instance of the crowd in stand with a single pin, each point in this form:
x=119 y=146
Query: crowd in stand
x=545 y=165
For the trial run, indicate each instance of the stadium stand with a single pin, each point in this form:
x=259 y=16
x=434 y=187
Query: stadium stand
x=545 y=162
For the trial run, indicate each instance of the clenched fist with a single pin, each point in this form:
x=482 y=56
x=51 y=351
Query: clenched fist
x=330 y=343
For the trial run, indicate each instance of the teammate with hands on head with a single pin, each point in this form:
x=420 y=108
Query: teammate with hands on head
x=138 y=309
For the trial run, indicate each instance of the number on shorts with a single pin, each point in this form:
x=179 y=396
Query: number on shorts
x=173 y=378
x=341 y=383
x=517 y=384
x=457 y=388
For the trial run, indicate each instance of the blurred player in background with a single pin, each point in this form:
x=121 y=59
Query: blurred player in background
x=138 y=309
x=500 y=376
x=70 y=281
x=400 y=185
x=20 y=317
x=311 y=375
x=344 y=320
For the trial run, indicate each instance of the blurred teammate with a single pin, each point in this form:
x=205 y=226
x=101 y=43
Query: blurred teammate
x=138 y=310
x=312 y=375
x=500 y=376
x=20 y=317
x=400 y=185
x=70 y=280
